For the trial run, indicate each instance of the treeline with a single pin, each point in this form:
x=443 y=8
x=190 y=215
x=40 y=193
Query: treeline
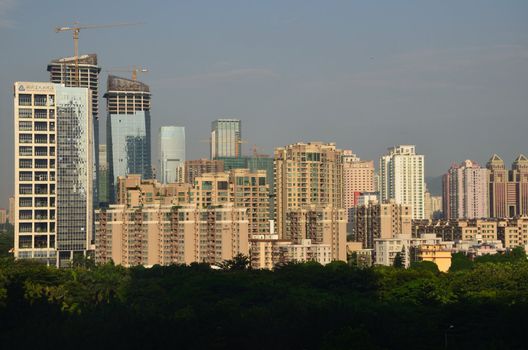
x=481 y=305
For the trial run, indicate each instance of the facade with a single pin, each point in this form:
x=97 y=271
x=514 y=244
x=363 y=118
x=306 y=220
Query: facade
x=439 y=254
x=514 y=232
x=226 y=138
x=321 y=225
x=172 y=154
x=243 y=188
x=166 y=234
x=195 y=168
x=307 y=174
x=381 y=220
x=386 y=249
x=358 y=178
x=268 y=251
x=132 y=191
x=128 y=129
x=508 y=189
x=465 y=191
x=62 y=71
x=402 y=178
x=53 y=172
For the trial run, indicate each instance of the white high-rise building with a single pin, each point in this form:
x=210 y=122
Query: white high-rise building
x=172 y=154
x=401 y=174
x=226 y=139
x=53 y=172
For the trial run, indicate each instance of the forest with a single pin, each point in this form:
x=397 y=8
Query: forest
x=480 y=304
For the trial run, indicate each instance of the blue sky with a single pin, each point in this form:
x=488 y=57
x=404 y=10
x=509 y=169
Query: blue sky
x=448 y=76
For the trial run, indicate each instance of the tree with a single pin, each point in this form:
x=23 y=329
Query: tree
x=425 y=266
x=239 y=262
x=398 y=261
x=460 y=262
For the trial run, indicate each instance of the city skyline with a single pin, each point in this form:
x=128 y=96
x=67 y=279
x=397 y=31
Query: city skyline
x=471 y=79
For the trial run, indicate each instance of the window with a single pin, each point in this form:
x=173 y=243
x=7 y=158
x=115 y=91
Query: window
x=25 y=241
x=41 y=113
x=24 y=100
x=25 y=151
x=40 y=100
x=25 y=163
x=25 y=126
x=25 y=113
x=25 y=138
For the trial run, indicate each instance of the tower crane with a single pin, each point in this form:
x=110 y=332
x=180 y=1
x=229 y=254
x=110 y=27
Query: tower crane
x=76 y=28
x=135 y=70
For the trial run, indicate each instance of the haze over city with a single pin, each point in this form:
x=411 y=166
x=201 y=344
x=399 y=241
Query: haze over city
x=447 y=76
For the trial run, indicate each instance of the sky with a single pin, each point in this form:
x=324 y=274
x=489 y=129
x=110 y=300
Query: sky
x=449 y=76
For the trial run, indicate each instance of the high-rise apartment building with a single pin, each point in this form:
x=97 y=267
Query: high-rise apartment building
x=3 y=216
x=243 y=188
x=166 y=234
x=134 y=192
x=128 y=129
x=321 y=225
x=381 y=220
x=465 y=191
x=402 y=178
x=197 y=167
x=11 y=214
x=53 y=172
x=62 y=71
x=305 y=174
x=172 y=154
x=508 y=190
x=226 y=138
x=358 y=178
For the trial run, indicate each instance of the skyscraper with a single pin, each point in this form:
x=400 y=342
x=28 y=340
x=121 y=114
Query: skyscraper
x=508 y=190
x=402 y=178
x=62 y=71
x=102 y=180
x=305 y=174
x=358 y=177
x=465 y=191
x=172 y=154
x=53 y=172
x=128 y=129
x=226 y=138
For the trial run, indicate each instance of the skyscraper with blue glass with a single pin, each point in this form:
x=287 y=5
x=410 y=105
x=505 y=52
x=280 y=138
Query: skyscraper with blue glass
x=127 y=129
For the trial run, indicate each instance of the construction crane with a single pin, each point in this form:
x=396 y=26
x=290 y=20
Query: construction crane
x=135 y=70
x=76 y=28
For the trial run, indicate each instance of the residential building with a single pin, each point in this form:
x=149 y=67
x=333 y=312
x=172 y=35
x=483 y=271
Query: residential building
x=135 y=192
x=465 y=191
x=321 y=225
x=172 y=154
x=307 y=174
x=3 y=216
x=53 y=212
x=358 y=178
x=402 y=178
x=166 y=234
x=195 y=168
x=268 y=251
x=128 y=129
x=409 y=249
x=513 y=232
x=226 y=138
x=381 y=220
x=508 y=190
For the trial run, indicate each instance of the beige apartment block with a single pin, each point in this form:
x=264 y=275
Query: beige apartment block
x=358 y=177
x=166 y=234
x=268 y=251
x=197 y=167
x=514 y=232
x=381 y=220
x=133 y=192
x=305 y=174
x=321 y=225
x=484 y=229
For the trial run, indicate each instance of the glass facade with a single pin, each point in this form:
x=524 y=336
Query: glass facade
x=128 y=146
x=172 y=153
x=226 y=138
x=74 y=170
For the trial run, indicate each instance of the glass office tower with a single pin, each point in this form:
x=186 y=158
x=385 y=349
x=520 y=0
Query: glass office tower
x=172 y=154
x=127 y=130
x=226 y=138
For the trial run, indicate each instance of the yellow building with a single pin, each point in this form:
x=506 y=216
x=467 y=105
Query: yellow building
x=436 y=253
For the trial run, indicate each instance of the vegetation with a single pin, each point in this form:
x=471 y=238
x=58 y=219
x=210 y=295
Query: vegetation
x=300 y=306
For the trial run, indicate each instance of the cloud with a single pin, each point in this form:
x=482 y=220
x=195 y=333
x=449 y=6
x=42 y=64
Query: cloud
x=214 y=78
x=5 y=7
